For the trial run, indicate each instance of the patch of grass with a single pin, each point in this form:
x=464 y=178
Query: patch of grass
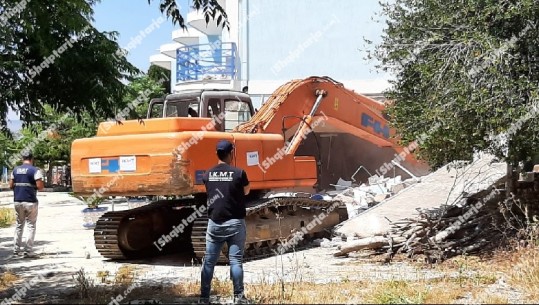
x=7 y=279
x=122 y=287
x=103 y=275
x=221 y=287
x=83 y=284
x=487 y=298
x=125 y=275
x=446 y=290
x=191 y=288
x=444 y=294
x=7 y=217
x=525 y=271
x=396 y=292
x=308 y=293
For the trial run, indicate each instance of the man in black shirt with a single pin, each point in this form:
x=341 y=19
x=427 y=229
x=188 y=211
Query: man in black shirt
x=226 y=187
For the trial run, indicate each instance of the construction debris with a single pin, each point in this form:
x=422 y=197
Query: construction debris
x=441 y=232
x=445 y=186
x=359 y=198
x=458 y=218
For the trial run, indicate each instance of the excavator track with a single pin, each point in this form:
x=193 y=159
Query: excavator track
x=266 y=208
x=110 y=241
x=116 y=239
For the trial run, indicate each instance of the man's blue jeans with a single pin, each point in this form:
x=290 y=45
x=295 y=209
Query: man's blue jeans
x=233 y=232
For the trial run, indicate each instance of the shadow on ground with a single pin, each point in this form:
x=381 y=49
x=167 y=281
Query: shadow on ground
x=181 y=259
x=6 y=249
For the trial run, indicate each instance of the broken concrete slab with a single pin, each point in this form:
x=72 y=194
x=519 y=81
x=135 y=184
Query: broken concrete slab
x=381 y=197
x=397 y=188
x=360 y=198
x=342 y=184
x=444 y=186
x=375 y=179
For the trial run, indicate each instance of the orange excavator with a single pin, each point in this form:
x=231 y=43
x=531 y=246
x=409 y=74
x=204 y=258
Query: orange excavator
x=305 y=136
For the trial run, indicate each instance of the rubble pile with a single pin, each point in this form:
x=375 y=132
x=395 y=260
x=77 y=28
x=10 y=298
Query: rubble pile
x=473 y=224
x=452 y=211
x=359 y=198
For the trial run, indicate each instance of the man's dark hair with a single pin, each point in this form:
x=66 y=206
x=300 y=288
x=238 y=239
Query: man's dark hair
x=224 y=149
x=27 y=155
x=222 y=155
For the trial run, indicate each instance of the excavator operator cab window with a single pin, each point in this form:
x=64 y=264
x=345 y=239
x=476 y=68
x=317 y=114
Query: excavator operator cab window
x=213 y=111
x=236 y=112
x=214 y=107
x=156 y=111
x=192 y=112
x=185 y=108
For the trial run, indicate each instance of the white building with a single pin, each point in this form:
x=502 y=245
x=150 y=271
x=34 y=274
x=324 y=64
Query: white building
x=272 y=42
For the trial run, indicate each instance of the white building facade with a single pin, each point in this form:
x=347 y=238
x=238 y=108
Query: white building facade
x=271 y=42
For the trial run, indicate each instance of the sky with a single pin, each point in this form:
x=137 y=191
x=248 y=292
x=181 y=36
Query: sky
x=129 y=18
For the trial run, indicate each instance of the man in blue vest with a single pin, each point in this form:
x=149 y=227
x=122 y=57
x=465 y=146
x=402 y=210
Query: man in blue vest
x=25 y=181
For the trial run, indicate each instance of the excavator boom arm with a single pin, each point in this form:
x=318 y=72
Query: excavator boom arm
x=297 y=103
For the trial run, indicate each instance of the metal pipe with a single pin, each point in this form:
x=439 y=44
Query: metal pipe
x=300 y=133
x=405 y=170
x=359 y=168
x=302 y=128
x=316 y=104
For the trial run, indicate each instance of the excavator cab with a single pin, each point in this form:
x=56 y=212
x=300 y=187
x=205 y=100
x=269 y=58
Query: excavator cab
x=229 y=108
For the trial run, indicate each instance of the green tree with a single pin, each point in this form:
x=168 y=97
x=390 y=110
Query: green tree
x=52 y=55
x=7 y=149
x=211 y=9
x=50 y=138
x=161 y=75
x=147 y=87
x=469 y=66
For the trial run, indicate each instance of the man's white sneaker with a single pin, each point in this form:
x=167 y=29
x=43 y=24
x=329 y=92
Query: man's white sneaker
x=15 y=255
x=241 y=300
x=30 y=255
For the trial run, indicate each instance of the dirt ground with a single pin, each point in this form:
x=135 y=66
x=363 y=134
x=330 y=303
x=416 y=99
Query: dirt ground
x=65 y=247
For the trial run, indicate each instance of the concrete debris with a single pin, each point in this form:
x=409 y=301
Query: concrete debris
x=326 y=243
x=342 y=184
x=359 y=198
x=380 y=197
x=397 y=188
x=443 y=187
x=297 y=194
x=317 y=242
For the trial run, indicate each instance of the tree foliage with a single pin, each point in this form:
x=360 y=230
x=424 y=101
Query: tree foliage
x=211 y=9
x=468 y=68
x=161 y=75
x=148 y=87
x=50 y=138
x=52 y=55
